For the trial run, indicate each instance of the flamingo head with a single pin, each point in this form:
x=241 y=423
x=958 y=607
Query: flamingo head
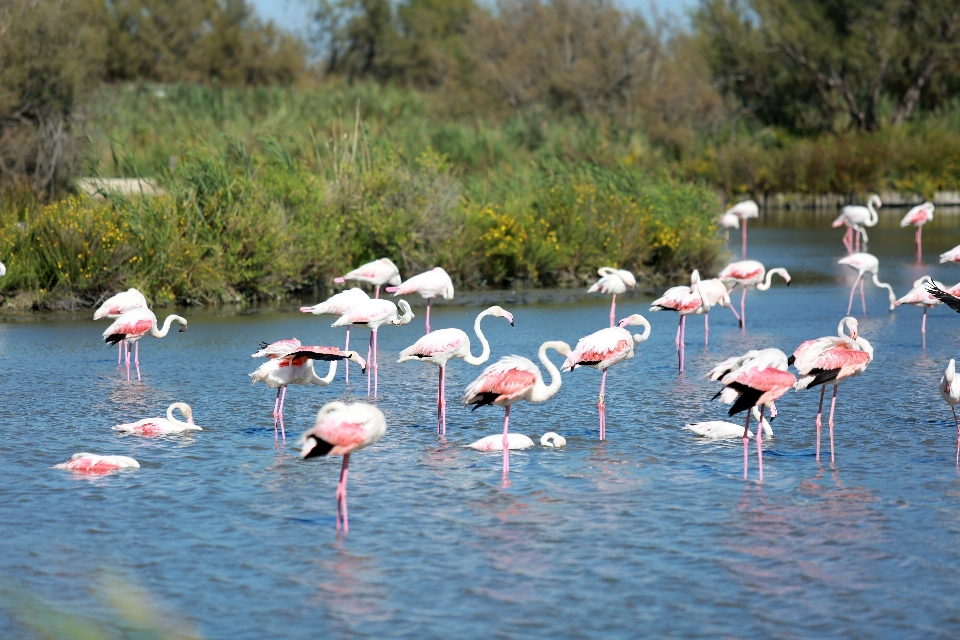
x=500 y=312
x=773 y=411
x=851 y=324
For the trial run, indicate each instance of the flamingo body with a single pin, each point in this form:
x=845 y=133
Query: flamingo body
x=373 y=314
x=495 y=442
x=120 y=303
x=162 y=426
x=376 y=273
x=744 y=210
x=919 y=216
x=951 y=256
x=685 y=301
x=950 y=393
x=856 y=218
x=429 y=285
x=97 y=464
x=338 y=304
x=612 y=282
x=722 y=430
x=864 y=263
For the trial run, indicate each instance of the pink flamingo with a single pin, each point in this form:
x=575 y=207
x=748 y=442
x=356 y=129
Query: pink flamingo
x=613 y=281
x=919 y=216
x=750 y=273
x=429 y=285
x=831 y=359
x=340 y=430
x=162 y=426
x=292 y=363
x=133 y=325
x=337 y=305
x=685 y=301
x=512 y=379
x=951 y=395
x=603 y=349
x=744 y=210
x=755 y=379
x=714 y=293
x=97 y=464
x=855 y=218
x=866 y=263
x=919 y=296
x=116 y=306
x=951 y=256
x=373 y=314
x=442 y=345
x=376 y=273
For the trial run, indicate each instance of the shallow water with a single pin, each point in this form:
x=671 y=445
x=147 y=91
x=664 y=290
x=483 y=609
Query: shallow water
x=652 y=532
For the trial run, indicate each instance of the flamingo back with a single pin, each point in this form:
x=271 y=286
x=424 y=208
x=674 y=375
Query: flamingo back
x=132 y=325
x=600 y=349
x=503 y=382
x=277 y=349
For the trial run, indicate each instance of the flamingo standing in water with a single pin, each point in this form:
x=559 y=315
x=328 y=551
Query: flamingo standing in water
x=133 y=325
x=866 y=263
x=685 y=301
x=831 y=359
x=714 y=293
x=510 y=380
x=376 y=273
x=373 y=314
x=750 y=273
x=337 y=305
x=442 y=345
x=603 y=349
x=93 y=463
x=919 y=216
x=755 y=379
x=855 y=218
x=117 y=305
x=162 y=426
x=613 y=281
x=744 y=210
x=429 y=285
x=340 y=430
x=919 y=296
x=951 y=395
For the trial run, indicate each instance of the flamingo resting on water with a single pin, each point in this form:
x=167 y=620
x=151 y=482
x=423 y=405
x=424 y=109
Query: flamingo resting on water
x=866 y=263
x=510 y=380
x=750 y=273
x=376 y=273
x=516 y=441
x=950 y=392
x=340 y=430
x=685 y=301
x=429 y=285
x=135 y=324
x=831 y=359
x=920 y=296
x=919 y=216
x=443 y=345
x=117 y=305
x=744 y=210
x=855 y=218
x=97 y=464
x=613 y=281
x=603 y=349
x=373 y=314
x=723 y=430
x=337 y=305
x=162 y=426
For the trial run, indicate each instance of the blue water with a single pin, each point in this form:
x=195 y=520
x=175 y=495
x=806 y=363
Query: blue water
x=650 y=533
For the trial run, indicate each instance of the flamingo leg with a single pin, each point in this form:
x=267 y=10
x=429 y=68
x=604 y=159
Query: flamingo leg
x=119 y=352
x=602 y=407
x=346 y=363
x=128 y=364
x=833 y=405
x=848 y=240
x=746 y=446
x=676 y=340
x=863 y=302
x=683 y=338
x=744 y=220
x=853 y=291
x=506 y=447
x=369 y=363
x=823 y=388
x=858 y=236
x=743 y=308
x=376 y=291
x=342 y=496
x=760 y=444
x=428 y=315
x=919 y=244
x=376 y=368
x=923 y=326
x=957 y=422
x=136 y=358
x=276 y=414
x=443 y=397
x=439 y=398
x=613 y=310
x=706 y=329
x=283 y=398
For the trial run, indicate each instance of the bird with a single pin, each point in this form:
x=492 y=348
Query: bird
x=337 y=305
x=495 y=442
x=292 y=363
x=135 y=324
x=919 y=296
x=429 y=285
x=685 y=301
x=442 y=345
x=162 y=426
x=722 y=430
x=94 y=463
x=341 y=429
x=744 y=210
x=951 y=256
x=951 y=395
x=117 y=305
x=865 y=263
x=373 y=314
x=603 y=349
x=376 y=273
x=714 y=292
x=750 y=273
x=552 y=440
x=757 y=378
x=510 y=380
x=855 y=218
x=613 y=281
x=729 y=220
x=831 y=359
x=3 y=269
x=919 y=216
x=946 y=297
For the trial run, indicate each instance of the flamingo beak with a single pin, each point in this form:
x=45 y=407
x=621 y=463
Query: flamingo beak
x=183 y=328
x=509 y=317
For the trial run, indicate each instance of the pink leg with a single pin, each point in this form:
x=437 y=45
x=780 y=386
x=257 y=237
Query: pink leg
x=744 y=221
x=602 y=407
x=676 y=340
x=706 y=329
x=760 y=444
x=923 y=327
x=833 y=405
x=853 y=291
x=746 y=446
x=119 y=352
x=376 y=292
x=443 y=397
x=370 y=360
x=276 y=414
x=613 y=310
x=847 y=240
x=439 y=399
x=506 y=447
x=127 y=363
x=376 y=368
x=863 y=302
x=342 y=496
x=743 y=308
x=919 y=244
x=136 y=358
x=283 y=398
x=856 y=241
x=346 y=363
x=823 y=388
x=957 y=422
x=428 y=315
x=683 y=340
x=734 y=311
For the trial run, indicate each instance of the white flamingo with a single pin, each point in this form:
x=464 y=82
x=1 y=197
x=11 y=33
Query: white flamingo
x=117 y=305
x=373 y=314
x=613 y=281
x=950 y=392
x=744 y=210
x=376 y=273
x=429 y=285
x=162 y=426
x=750 y=273
x=855 y=217
x=866 y=263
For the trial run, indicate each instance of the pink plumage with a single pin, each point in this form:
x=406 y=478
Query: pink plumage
x=280 y=348
x=506 y=380
x=120 y=303
x=919 y=216
x=97 y=464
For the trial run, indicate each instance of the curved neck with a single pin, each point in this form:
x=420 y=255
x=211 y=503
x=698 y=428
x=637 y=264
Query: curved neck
x=327 y=379
x=884 y=285
x=872 y=219
x=485 y=351
x=541 y=391
x=166 y=326
x=865 y=346
x=951 y=371
x=767 y=281
x=183 y=408
x=641 y=337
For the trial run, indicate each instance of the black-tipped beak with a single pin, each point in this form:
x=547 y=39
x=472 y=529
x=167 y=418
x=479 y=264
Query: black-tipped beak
x=183 y=328
x=511 y=324
x=772 y=418
x=788 y=283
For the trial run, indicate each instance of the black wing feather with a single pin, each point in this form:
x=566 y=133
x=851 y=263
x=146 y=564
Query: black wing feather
x=950 y=300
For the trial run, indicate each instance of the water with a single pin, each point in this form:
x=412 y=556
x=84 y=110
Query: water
x=650 y=533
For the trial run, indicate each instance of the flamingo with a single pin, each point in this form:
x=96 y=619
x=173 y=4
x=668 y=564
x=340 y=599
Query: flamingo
x=135 y=324
x=919 y=296
x=337 y=305
x=116 y=306
x=429 y=285
x=512 y=379
x=3 y=269
x=831 y=359
x=866 y=263
x=162 y=426
x=757 y=378
x=495 y=442
x=722 y=430
x=93 y=463
x=603 y=349
x=376 y=273
x=373 y=314
x=729 y=220
x=340 y=430
x=855 y=218
x=714 y=293
x=613 y=281
x=685 y=301
x=750 y=273
x=552 y=440
x=442 y=345
x=951 y=394
x=951 y=256
x=919 y=216
x=292 y=363
x=744 y=210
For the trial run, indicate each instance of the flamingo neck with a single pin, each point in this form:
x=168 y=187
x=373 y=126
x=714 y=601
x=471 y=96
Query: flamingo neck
x=485 y=351
x=184 y=409
x=166 y=326
x=873 y=217
x=542 y=392
x=865 y=346
x=327 y=379
x=763 y=286
x=641 y=337
x=884 y=285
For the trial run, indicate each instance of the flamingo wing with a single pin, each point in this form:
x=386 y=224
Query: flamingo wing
x=441 y=341
x=759 y=386
x=598 y=347
x=132 y=324
x=950 y=300
x=507 y=379
x=318 y=353
x=278 y=349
